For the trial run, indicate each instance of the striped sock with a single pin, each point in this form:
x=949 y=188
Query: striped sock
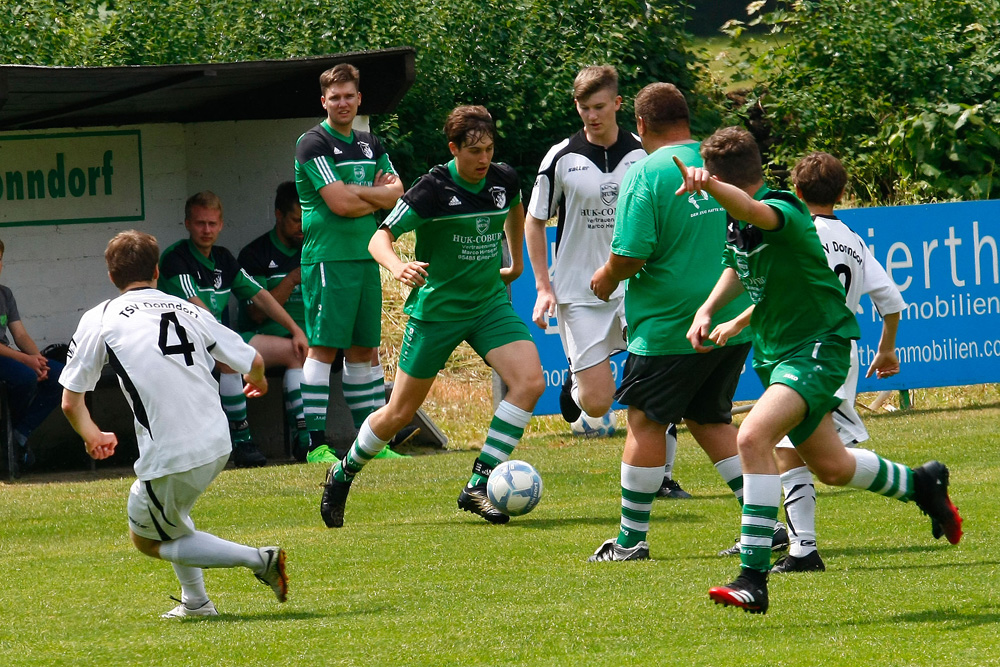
x=761 y=496
x=364 y=449
x=732 y=474
x=234 y=402
x=315 y=393
x=357 y=390
x=293 y=395
x=378 y=387
x=506 y=429
x=878 y=475
x=639 y=487
x=800 y=510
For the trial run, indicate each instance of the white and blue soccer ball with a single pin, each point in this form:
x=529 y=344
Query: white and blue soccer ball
x=514 y=487
x=595 y=427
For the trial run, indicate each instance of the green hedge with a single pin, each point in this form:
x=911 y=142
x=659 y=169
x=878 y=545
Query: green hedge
x=906 y=92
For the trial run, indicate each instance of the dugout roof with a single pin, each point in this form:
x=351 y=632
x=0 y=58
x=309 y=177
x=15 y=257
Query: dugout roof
x=48 y=97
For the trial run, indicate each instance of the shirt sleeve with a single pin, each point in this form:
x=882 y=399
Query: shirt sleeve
x=401 y=219
x=12 y=313
x=879 y=287
x=87 y=353
x=635 y=219
x=547 y=190
x=228 y=347
x=245 y=287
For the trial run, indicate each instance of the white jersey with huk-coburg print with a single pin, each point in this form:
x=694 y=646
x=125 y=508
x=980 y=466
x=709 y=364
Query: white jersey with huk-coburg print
x=578 y=182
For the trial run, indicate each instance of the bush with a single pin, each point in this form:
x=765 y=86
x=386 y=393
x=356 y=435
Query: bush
x=516 y=57
x=906 y=92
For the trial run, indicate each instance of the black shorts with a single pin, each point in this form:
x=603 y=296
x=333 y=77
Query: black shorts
x=673 y=387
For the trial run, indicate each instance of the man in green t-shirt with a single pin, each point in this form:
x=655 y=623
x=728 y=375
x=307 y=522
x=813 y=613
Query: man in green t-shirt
x=273 y=260
x=667 y=248
x=207 y=274
x=802 y=332
x=343 y=177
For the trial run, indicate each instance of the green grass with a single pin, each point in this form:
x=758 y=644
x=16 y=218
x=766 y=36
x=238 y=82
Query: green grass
x=411 y=581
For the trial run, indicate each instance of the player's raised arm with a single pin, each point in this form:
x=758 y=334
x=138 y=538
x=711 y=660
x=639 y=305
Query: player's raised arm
x=737 y=202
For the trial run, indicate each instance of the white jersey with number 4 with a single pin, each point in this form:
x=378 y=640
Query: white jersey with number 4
x=861 y=274
x=163 y=350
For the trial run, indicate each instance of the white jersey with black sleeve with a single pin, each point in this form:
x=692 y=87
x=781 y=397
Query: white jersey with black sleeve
x=578 y=182
x=861 y=274
x=163 y=350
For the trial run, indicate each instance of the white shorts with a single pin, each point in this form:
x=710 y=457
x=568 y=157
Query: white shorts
x=159 y=509
x=591 y=332
x=849 y=426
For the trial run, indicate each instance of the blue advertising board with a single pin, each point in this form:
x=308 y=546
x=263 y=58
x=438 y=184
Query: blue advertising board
x=943 y=258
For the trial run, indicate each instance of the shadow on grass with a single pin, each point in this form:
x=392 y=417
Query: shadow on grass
x=960 y=619
x=278 y=615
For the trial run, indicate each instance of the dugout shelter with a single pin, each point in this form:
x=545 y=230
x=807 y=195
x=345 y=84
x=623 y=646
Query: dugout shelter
x=86 y=152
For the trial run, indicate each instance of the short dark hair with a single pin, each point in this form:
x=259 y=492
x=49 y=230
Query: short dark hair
x=661 y=105
x=590 y=80
x=286 y=197
x=205 y=199
x=821 y=177
x=468 y=124
x=732 y=155
x=132 y=257
x=342 y=73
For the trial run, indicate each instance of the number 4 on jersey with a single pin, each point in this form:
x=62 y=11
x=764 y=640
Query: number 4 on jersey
x=183 y=347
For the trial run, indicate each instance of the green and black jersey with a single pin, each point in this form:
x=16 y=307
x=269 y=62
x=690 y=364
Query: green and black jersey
x=186 y=273
x=324 y=156
x=459 y=227
x=797 y=297
x=267 y=260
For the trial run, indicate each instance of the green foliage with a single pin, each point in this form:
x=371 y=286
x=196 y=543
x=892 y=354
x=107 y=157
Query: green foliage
x=516 y=57
x=906 y=92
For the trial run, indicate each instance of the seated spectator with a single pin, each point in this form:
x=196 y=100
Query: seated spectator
x=273 y=260
x=32 y=380
x=198 y=270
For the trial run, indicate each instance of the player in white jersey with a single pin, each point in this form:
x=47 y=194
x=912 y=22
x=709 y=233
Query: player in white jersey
x=163 y=350
x=578 y=183
x=820 y=180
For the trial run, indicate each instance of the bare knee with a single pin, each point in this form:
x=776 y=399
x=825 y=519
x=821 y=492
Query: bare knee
x=595 y=404
x=145 y=545
x=832 y=473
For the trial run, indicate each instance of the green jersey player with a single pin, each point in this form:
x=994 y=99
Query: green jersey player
x=460 y=212
x=802 y=344
x=343 y=177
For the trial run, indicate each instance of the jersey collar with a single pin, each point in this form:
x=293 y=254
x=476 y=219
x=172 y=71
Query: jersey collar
x=276 y=240
x=209 y=261
x=346 y=138
x=474 y=188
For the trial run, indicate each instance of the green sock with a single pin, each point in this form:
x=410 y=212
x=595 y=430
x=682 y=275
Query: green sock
x=761 y=497
x=639 y=487
x=506 y=429
x=366 y=446
x=878 y=475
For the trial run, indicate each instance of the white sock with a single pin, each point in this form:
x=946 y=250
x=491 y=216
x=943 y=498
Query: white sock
x=800 y=510
x=293 y=389
x=193 y=594
x=671 y=442
x=378 y=387
x=205 y=550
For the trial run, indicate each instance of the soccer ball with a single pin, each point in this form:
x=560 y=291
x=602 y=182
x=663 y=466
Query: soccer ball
x=514 y=487
x=595 y=427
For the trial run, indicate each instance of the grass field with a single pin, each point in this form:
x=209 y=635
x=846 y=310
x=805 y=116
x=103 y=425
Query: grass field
x=410 y=580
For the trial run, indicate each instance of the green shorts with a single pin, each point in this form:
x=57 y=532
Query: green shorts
x=427 y=345
x=247 y=336
x=343 y=303
x=815 y=371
